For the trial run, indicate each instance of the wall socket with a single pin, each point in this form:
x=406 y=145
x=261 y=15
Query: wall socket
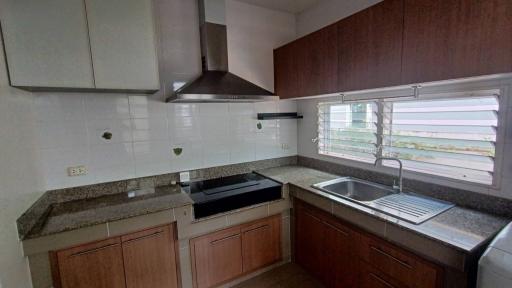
x=285 y=146
x=77 y=171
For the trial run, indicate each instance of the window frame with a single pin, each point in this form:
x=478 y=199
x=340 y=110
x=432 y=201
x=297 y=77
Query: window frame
x=432 y=91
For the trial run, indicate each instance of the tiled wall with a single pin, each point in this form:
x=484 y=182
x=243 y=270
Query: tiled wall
x=145 y=131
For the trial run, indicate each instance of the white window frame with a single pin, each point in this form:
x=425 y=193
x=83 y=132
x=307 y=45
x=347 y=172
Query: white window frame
x=431 y=91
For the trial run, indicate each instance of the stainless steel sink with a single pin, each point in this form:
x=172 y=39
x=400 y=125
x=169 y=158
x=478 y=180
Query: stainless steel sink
x=355 y=189
x=406 y=206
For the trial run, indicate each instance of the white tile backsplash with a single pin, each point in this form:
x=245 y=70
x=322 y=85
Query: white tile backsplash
x=152 y=158
x=146 y=130
x=150 y=129
x=107 y=106
x=111 y=162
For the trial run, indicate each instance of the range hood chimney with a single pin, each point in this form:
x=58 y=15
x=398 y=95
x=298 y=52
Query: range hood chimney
x=217 y=84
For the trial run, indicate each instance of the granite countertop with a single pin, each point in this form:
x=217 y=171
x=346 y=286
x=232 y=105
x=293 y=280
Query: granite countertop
x=70 y=215
x=463 y=229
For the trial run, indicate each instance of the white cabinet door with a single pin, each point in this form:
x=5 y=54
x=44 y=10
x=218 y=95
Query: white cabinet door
x=123 y=44
x=47 y=43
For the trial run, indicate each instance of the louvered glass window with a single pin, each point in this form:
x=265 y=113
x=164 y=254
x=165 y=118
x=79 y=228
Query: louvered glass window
x=348 y=130
x=451 y=136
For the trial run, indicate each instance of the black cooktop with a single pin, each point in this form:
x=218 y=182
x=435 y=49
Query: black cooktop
x=229 y=193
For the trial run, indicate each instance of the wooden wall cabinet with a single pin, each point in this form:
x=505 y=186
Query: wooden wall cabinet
x=47 y=44
x=370 y=47
x=286 y=77
x=123 y=44
x=227 y=254
x=80 y=45
x=448 y=39
x=399 y=42
x=342 y=256
x=316 y=62
x=143 y=259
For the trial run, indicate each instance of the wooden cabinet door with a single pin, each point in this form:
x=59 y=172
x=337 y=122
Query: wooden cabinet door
x=98 y=265
x=261 y=243
x=317 y=62
x=123 y=44
x=217 y=257
x=150 y=258
x=47 y=43
x=447 y=39
x=370 y=47
x=341 y=256
x=310 y=241
x=286 y=84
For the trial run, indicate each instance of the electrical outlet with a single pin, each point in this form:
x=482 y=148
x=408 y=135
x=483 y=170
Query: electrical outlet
x=77 y=171
x=285 y=146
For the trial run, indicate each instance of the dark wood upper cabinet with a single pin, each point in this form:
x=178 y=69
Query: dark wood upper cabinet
x=317 y=65
x=307 y=66
x=285 y=71
x=370 y=47
x=447 y=39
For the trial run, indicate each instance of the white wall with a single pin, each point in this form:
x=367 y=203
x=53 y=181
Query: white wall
x=146 y=129
x=20 y=182
x=253 y=33
x=327 y=12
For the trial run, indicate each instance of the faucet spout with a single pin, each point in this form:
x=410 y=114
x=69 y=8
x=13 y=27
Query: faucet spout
x=399 y=169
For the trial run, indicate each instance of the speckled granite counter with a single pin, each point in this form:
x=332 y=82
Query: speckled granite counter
x=71 y=215
x=458 y=228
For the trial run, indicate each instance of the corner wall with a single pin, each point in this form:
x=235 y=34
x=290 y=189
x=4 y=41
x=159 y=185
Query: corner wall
x=20 y=182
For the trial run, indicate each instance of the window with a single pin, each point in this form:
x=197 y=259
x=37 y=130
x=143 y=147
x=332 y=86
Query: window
x=452 y=136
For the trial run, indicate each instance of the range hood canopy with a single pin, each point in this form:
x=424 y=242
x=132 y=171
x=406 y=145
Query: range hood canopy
x=217 y=84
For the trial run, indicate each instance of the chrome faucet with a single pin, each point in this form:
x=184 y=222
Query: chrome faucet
x=399 y=171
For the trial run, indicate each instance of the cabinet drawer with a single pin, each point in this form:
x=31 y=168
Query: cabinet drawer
x=398 y=264
x=371 y=277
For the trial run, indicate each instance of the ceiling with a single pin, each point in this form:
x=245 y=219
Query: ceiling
x=291 y=6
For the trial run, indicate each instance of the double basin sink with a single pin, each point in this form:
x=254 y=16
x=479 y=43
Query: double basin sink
x=405 y=206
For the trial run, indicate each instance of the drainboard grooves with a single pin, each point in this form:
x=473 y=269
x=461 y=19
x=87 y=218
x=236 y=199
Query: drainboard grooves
x=411 y=208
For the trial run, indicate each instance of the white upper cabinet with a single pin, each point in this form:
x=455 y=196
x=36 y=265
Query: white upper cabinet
x=81 y=44
x=123 y=44
x=47 y=43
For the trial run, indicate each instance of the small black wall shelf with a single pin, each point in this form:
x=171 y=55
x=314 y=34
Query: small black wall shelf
x=272 y=116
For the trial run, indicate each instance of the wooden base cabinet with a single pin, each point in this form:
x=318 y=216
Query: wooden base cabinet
x=324 y=247
x=227 y=254
x=342 y=256
x=143 y=259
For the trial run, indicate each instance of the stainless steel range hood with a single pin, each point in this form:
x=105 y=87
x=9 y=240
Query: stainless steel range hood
x=217 y=84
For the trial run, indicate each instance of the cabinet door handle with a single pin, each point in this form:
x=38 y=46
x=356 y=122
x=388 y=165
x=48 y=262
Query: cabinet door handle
x=93 y=250
x=381 y=280
x=215 y=242
x=157 y=233
x=336 y=228
x=258 y=228
x=401 y=262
